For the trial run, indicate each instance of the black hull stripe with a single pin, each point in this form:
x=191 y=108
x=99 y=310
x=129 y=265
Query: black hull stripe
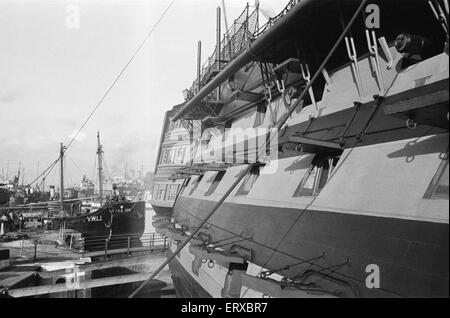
x=412 y=255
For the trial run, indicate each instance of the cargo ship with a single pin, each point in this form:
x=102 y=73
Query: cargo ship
x=115 y=216
x=322 y=165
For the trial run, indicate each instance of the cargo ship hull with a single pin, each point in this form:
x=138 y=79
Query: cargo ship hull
x=113 y=219
x=4 y=197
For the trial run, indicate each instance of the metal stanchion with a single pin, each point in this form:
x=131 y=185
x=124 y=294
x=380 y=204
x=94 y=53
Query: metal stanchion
x=106 y=248
x=35 y=250
x=70 y=244
x=21 y=247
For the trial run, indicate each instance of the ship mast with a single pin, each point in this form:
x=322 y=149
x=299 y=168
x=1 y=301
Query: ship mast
x=61 y=185
x=100 y=168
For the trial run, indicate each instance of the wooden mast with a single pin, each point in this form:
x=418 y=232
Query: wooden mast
x=100 y=168
x=61 y=186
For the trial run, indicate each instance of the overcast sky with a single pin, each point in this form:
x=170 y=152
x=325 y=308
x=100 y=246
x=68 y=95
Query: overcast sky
x=52 y=76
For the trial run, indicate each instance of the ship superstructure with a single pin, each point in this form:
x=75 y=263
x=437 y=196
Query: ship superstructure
x=322 y=166
x=174 y=152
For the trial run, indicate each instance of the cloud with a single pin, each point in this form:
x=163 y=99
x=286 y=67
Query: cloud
x=10 y=97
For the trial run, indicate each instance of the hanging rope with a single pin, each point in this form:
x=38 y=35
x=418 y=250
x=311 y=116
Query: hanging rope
x=311 y=261
x=202 y=223
x=109 y=89
x=76 y=165
x=120 y=74
x=49 y=168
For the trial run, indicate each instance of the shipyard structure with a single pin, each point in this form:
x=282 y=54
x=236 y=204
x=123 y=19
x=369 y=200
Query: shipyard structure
x=320 y=155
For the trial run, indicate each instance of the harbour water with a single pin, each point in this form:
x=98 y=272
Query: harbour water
x=123 y=290
x=149 y=213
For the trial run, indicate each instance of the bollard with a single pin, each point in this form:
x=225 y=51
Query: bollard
x=21 y=247
x=129 y=245
x=35 y=250
x=70 y=244
x=82 y=247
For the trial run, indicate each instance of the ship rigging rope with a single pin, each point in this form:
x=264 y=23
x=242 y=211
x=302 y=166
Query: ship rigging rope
x=46 y=175
x=248 y=168
x=294 y=106
x=111 y=86
x=258 y=243
x=279 y=125
x=67 y=172
x=202 y=223
x=311 y=262
x=48 y=169
x=105 y=167
x=75 y=164
x=120 y=73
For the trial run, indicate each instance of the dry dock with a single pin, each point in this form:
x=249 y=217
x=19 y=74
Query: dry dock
x=40 y=267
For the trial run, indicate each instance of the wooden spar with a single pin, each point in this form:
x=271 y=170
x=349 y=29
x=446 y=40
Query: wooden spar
x=100 y=282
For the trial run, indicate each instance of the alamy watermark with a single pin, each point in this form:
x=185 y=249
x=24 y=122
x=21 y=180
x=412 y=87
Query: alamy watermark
x=373 y=279
x=373 y=16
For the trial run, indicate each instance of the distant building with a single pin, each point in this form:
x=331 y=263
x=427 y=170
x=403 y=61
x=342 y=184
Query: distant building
x=85 y=188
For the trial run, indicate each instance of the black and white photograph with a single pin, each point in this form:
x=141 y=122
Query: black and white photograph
x=240 y=151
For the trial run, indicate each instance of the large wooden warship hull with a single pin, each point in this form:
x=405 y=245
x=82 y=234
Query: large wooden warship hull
x=377 y=225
